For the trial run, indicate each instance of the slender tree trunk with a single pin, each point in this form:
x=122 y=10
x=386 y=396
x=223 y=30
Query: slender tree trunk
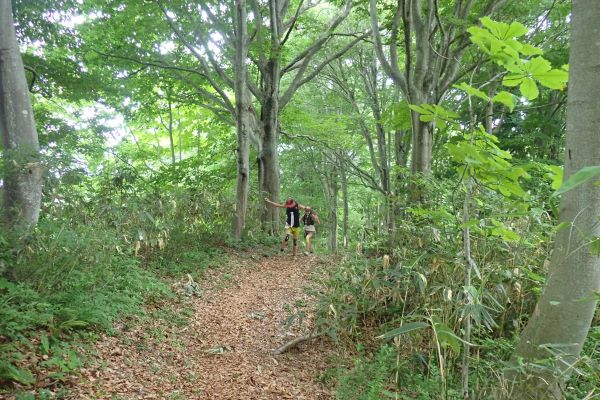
x=562 y=317
x=179 y=140
x=332 y=218
x=23 y=173
x=330 y=189
x=242 y=105
x=170 y=129
x=344 y=187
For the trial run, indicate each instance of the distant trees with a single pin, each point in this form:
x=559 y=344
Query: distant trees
x=22 y=186
x=425 y=51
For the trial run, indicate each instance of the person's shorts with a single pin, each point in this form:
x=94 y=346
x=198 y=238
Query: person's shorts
x=294 y=230
x=306 y=233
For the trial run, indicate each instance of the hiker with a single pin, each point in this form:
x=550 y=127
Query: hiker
x=309 y=219
x=292 y=221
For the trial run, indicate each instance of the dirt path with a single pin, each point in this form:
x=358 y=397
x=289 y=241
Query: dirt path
x=225 y=352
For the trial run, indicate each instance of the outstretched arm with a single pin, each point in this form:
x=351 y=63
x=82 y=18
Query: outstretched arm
x=274 y=204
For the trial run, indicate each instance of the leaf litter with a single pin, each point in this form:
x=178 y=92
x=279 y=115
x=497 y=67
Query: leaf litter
x=225 y=351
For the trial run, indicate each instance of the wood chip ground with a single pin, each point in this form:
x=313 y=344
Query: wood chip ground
x=225 y=352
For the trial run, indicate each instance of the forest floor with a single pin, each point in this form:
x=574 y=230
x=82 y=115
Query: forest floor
x=225 y=352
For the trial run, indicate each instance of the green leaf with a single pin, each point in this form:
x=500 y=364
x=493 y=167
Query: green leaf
x=516 y=29
x=10 y=372
x=537 y=65
x=45 y=344
x=419 y=109
x=471 y=91
x=529 y=89
x=595 y=246
x=512 y=80
x=555 y=173
x=553 y=79
x=505 y=98
x=563 y=225
x=578 y=178
x=529 y=50
x=413 y=326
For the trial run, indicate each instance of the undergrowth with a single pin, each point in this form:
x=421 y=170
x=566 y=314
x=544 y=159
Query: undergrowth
x=406 y=316
x=85 y=269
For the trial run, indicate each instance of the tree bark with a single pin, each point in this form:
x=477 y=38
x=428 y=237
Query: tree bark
x=23 y=173
x=242 y=106
x=270 y=129
x=170 y=129
x=344 y=187
x=331 y=188
x=562 y=317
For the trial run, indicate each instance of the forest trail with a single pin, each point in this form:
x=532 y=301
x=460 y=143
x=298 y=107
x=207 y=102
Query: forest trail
x=225 y=351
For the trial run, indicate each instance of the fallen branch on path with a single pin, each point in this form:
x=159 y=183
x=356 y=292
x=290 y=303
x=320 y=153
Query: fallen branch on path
x=295 y=342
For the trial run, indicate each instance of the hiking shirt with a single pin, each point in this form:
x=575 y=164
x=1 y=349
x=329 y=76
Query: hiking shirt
x=293 y=216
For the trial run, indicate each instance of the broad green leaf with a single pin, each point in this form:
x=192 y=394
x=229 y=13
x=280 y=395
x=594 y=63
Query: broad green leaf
x=419 y=109
x=553 y=79
x=512 y=80
x=563 y=225
x=515 y=29
x=555 y=173
x=471 y=91
x=412 y=326
x=578 y=178
x=496 y=28
x=529 y=89
x=537 y=65
x=505 y=98
x=529 y=50
x=595 y=246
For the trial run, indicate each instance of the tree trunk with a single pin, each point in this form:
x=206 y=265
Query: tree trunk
x=170 y=129
x=333 y=219
x=344 y=187
x=422 y=150
x=270 y=123
x=23 y=172
x=179 y=146
x=562 y=318
x=269 y=165
x=422 y=145
x=242 y=105
x=330 y=189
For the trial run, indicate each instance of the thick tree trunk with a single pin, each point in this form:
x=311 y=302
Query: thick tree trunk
x=269 y=166
x=562 y=317
x=422 y=149
x=270 y=123
x=242 y=107
x=23 y=172
x=422 y=146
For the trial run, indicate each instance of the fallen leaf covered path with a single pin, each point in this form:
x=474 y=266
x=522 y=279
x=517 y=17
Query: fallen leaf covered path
x=225 y=351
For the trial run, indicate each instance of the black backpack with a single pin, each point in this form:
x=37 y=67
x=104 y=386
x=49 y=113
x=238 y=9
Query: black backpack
x=308 y=219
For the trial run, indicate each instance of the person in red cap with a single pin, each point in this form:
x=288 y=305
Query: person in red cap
x=292 y=221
